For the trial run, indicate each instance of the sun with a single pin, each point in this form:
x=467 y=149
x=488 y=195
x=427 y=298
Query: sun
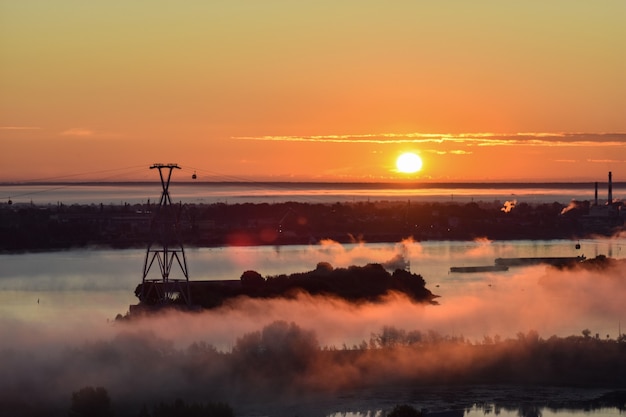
x=409 y=163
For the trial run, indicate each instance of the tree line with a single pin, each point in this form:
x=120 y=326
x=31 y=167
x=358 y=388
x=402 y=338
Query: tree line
x=356 y=284
x=284 y=361
x=51 y=227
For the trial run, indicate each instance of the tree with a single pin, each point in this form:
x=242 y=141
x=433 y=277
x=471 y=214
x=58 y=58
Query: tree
x=390 y=337
x=279 y=349
x=252 y=278
x=91 y=402
x=404 y=411
x=324 y=268
x=180 y=409
x=143 y=412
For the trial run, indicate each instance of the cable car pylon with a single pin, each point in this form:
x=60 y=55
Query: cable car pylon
x=166 y=248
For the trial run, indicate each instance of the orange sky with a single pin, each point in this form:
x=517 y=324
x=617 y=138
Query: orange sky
x=314 y=90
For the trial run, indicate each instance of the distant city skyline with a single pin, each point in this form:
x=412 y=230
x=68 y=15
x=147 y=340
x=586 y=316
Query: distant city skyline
x=314 y=91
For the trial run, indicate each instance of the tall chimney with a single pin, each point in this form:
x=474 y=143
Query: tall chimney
x=596 y=195
x=610 y=188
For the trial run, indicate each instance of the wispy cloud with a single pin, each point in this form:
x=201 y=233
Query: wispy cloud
x=444 y=152
x=605 y=161
x=19 y=128
x=466 y=139
x=78 y=131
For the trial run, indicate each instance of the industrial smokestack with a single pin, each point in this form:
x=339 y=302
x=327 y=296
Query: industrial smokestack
x=610 y=188
x=596 y=195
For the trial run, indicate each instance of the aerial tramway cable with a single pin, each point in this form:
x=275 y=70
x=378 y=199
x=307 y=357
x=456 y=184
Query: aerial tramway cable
x=59 y=182
x=62 y=181
x=260 y=185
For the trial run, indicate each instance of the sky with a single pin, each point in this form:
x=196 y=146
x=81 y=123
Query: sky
x=314 y=90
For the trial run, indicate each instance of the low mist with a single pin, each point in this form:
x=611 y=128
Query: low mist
x=259 y=349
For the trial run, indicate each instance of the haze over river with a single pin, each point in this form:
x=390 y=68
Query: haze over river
x=52 y=300
x=272 y=192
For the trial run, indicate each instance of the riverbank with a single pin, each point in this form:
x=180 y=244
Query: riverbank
x=28 y=227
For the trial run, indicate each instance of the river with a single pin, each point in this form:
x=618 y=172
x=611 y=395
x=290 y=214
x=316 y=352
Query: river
x=273 y=192
x=60 y=280
x=52 y=300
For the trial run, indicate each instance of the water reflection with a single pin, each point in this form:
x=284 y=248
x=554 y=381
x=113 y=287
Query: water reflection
x=526 y=407
x=528 y=410
x=80 y=290
x=254 y=192
x=104 y=280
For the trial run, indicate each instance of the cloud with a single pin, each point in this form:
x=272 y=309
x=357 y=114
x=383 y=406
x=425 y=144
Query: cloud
x=19 y=128
x=77 y=131
x=468 y=139
x=605 y=161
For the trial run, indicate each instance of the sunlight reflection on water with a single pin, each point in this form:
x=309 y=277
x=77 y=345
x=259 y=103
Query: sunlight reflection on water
x=252 y=192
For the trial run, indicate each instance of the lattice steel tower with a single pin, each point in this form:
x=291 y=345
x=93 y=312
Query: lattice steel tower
x=166 y=247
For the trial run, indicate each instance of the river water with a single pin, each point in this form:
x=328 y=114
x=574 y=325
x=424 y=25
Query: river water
x=51 y=300
x=107 y=278
x=54 y=301
x=256 y=192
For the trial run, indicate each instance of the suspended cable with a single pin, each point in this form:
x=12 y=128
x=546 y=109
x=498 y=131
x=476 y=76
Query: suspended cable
x=261 y=185
x=136 y=168
x=50 y=183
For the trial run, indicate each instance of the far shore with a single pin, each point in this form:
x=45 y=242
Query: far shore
x=31 y=227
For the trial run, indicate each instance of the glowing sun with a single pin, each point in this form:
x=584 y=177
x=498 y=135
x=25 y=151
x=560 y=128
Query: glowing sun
x=409 y=163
